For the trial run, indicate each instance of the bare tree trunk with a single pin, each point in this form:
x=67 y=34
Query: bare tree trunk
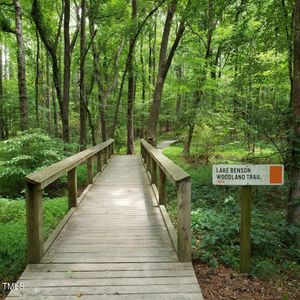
x=67 y=70
x=294 y=204
x=83 y=114
x=21 y=66
x=2 y=133
x=37 y=79
x=131 y=92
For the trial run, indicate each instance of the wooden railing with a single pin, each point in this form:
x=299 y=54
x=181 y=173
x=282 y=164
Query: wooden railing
x=156 y=162
x=37 y=181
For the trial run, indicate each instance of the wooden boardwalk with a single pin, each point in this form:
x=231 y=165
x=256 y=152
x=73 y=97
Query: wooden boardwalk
x=114 y=246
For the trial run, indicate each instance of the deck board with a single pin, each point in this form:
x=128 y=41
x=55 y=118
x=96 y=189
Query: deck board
x=114 y=246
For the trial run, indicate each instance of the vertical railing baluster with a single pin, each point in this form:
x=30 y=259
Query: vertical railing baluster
x=72 y=188
x=90 y=170
x=162 y=193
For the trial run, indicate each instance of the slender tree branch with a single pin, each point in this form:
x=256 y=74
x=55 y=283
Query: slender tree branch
x=58 y=30
x=196 y=33
x=88 y=48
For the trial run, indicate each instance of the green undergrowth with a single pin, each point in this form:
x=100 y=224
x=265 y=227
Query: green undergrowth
x=216 y=215
x=13 y=232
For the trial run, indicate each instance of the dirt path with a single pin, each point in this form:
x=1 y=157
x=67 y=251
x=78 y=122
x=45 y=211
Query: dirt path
x=165 y=144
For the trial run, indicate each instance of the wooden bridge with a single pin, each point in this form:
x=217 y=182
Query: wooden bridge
x=116 y=241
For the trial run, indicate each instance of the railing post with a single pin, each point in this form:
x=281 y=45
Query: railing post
x=153 y=172
x=184 y=220
x=99 y=162
x=143 y=152
x=72 y=188
x=34 y=216
x=162 y=194
x=145 y=157
x=108 y=152
x=148 y=161
x=90 y=170
x=105 y=156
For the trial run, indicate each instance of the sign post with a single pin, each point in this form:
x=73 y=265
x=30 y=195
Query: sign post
x=245 y=234
x=247 y=176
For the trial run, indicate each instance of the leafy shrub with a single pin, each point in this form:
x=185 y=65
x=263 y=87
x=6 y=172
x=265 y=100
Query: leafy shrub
x=24 y=154
x=13 y=232
x=216 y=236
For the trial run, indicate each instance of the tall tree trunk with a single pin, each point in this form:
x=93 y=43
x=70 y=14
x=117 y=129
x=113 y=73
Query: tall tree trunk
x=117 y=108
x=67 y=70
x=188 y=141
x=131 y=89
x=164 y=65
x=37 y=79
x=179 y=94
x=21 y=66
x=83 y=113
x=142 y=133
x=294 y=202
x=2 y=133
x=55 y=122
x=48 y=113
x=51 y=48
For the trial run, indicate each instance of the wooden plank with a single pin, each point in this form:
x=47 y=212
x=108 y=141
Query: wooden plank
x=69 y=282
x=160 y=296
x=111 y=251
x=93 y=257
x=109 y=290
x=34 y=218
x=109 y=267
x=107 y=274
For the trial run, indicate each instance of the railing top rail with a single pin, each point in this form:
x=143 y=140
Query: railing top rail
x=174 y=172
x=49 y=174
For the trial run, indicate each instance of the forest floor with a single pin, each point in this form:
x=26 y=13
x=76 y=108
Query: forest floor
x=224 y=283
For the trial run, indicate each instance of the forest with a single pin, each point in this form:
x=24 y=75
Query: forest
x=221 y=78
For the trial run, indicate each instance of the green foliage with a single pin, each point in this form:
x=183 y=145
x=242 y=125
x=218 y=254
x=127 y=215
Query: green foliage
x=13 y=232
x=216 y=216
x=24 y=154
